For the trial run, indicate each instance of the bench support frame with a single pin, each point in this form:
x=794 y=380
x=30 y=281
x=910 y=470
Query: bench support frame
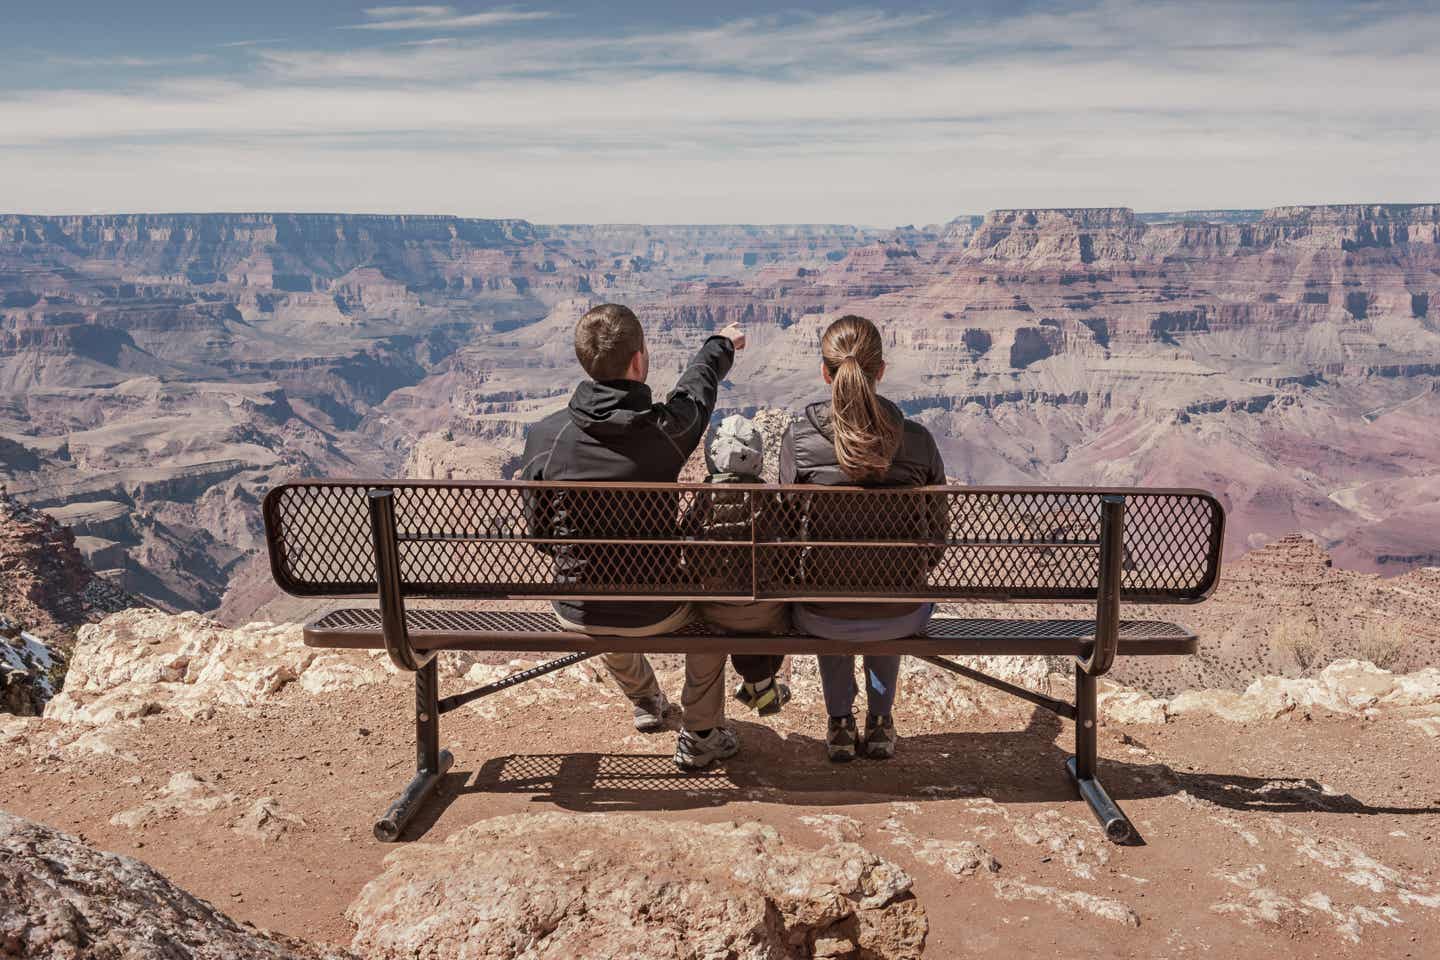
x=1083 y=766
x=432 y=762
x=505 y=683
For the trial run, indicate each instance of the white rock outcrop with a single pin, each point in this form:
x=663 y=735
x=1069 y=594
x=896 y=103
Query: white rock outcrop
x=186 y=795
x=1124 y=705
x=1345 y=687
x=556 y=886
x=141 y=662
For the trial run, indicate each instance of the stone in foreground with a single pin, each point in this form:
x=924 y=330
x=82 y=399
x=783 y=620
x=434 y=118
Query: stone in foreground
x=556 y=885
x=64 y=900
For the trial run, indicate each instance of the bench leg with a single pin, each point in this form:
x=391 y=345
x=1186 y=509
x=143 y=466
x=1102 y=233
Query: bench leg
x=431 y=763
x=1082 y=766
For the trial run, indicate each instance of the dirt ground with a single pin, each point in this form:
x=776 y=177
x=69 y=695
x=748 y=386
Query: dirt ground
x=1292 y=838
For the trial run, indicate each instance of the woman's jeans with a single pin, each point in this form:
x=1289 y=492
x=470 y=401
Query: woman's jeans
x=882 y=673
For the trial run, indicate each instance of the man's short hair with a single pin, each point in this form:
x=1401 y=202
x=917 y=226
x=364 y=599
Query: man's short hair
x=605 y=340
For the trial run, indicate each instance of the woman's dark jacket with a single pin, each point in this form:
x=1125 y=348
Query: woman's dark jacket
x=807 y=455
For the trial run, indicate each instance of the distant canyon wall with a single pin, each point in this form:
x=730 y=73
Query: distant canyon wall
x=159 y=372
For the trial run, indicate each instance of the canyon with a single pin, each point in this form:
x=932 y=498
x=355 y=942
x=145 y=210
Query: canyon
x=159 y=372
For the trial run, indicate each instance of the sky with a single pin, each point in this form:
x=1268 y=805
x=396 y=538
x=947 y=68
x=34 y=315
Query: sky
x=666 y=112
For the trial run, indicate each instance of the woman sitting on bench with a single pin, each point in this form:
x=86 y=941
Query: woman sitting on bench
x=859 y=438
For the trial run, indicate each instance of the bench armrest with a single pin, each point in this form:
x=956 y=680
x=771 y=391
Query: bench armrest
x=1107 y=606
x=387 y=575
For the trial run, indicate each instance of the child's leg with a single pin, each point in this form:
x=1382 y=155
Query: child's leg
x=755 y=667
x=762 y=691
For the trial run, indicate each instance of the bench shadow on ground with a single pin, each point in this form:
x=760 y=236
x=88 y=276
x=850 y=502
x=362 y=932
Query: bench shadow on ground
x=1020 y=766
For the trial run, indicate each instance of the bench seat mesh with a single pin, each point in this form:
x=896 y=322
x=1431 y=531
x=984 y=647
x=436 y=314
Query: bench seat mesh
x=500 y=630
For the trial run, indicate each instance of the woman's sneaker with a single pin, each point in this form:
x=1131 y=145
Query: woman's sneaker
x=696 y=753
x=840 y=740
x=650 y=713
x=764 y=700
x=879 y=736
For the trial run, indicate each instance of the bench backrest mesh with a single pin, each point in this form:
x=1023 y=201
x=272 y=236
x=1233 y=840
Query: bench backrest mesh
x=520 y=540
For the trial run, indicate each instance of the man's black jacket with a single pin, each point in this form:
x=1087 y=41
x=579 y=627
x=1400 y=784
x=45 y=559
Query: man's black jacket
x=614 y=431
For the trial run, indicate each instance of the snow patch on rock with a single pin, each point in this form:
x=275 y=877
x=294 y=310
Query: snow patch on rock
x=27 y=665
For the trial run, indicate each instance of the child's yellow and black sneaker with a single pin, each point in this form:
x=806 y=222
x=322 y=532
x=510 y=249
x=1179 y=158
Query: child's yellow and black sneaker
x=765 y=697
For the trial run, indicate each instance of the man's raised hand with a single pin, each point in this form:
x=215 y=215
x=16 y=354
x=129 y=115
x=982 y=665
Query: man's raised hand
x=735 y=334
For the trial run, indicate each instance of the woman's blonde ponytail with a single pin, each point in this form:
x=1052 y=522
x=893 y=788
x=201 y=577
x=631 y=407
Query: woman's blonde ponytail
x=866 y=436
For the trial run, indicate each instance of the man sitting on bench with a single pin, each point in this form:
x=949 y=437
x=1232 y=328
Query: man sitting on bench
x=614 y=431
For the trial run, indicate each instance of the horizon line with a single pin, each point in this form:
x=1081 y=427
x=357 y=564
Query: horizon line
x=715 y=223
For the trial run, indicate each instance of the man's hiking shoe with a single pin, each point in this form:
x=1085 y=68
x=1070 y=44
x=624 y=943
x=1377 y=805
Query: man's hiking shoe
x=696 y=753
x=764 y=702
x=840 y=741
x=879 y=737
x=650 y=713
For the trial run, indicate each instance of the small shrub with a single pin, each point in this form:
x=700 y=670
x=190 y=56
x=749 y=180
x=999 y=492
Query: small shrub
x=1383 y=645
x=1299 y=639
x=59 y=667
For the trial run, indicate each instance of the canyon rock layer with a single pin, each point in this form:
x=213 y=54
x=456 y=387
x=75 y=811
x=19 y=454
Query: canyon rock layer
x=158 y=373
x=47 y=592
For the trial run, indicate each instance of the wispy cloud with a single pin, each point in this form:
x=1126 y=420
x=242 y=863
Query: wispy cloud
x=443 y=18
x=124 y=61
x=775 y=47
x=852 y=115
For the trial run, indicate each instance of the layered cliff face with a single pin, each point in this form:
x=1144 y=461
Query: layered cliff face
x=157 y=373
x=704 y=249
x=1060 y=237
x=1286 y=360
x=47 y=587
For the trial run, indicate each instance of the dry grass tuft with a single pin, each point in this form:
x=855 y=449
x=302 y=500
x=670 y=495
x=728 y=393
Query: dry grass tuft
x=1383 y=645
x=1299 y=638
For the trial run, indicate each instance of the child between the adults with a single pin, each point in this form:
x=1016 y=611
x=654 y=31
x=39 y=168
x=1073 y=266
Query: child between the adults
x=734 y=454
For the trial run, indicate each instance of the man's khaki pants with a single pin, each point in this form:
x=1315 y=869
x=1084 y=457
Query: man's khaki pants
x=703 y=699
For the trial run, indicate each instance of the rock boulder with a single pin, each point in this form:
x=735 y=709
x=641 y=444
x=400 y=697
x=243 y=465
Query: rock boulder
x=141 y=662
x=555 y=886
x=64 y=900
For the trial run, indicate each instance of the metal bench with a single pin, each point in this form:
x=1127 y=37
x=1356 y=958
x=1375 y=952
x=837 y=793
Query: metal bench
x=505 y=541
